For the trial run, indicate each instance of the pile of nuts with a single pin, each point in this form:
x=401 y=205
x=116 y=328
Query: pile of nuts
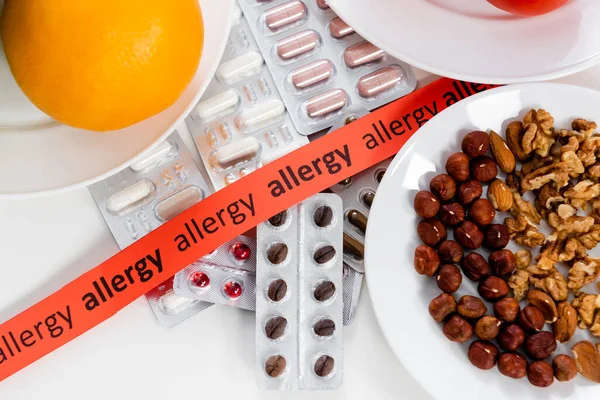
x=561 y=169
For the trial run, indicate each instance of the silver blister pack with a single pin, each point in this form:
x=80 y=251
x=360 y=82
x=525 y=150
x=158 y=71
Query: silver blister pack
x=320 y=64
x=241 y=122
x=299 y=303
x=154 y=189
x=225 y=276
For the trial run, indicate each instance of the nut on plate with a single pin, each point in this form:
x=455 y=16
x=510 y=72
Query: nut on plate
x=507 y=309
x=502 y=262
x=431 y=231
x=482 y=212
x=587 y=359
x=468 y=235
x=496 y=237
x=564 y=368
x=469 y=191
x=531 y=319
x=483 y=168
x=457 y=166
x=544 y=303
x=540 y=374
x=487 y=327
x=475 y=267
x=500 y=195
x=540 y=345
x=511 y=337
x=493 y=288
x=450 y=252
x=471 y=307
x=457 y=329
x=483 y=354
x=514 y=137
x=513 y=365
x=475 y=143
x=452 y=214
x=449 y=278
x=443 y=187
x=442 y=306
x=503 y=155
x=426 y=260
x=566 y=324
x=426 y=204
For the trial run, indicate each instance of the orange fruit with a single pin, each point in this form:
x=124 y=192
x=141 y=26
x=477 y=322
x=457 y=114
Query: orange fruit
x=102 y=64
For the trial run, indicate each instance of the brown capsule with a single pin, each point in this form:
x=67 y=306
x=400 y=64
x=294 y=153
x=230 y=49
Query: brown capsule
x=275 y=327
x=484 y=169
x=450 y=252
x=426 y=204
x=471 y=307
x=457 y=329
x=324 y=327
x=431 y=231
x=451 y=214
x=511 y=337
x=368 y=198
x=353 y=248
x=426 y=260
x=475 y=143
x=275 y=366
x=457 y=166
x=475 y=267
x=359 y=220
x=564 y=368
x=324 y=366
x=513 y=365
x=324 y=254
x=442 y=306
x=487 y=327
x=540 y=345
x=493 y=288
x=449 y=278
x=482 y=212
x=443 y=187
x=469 y=191
x=540 y=374
x=507 y=309
x=502 y=262
x=483 y=354
x=277 y=290
x=324 y=291
x=277 y=253
x=531 y=319
x=468 y=235
x=496 y=237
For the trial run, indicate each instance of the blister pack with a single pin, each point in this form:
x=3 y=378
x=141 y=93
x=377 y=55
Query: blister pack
x=225 y=276
x=298 y=299
x=137 y=200
x=320 y=64
x=241 y=122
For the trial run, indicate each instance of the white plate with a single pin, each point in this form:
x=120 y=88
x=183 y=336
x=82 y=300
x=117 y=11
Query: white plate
x=41 y=156
x=472 y=40
x=401 y=296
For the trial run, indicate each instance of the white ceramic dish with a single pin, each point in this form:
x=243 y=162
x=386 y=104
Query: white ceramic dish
x=472 y=40
x=401 y=296
x=40 y=156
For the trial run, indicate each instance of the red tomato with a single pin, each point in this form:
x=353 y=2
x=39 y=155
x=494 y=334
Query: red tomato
x=528 y=7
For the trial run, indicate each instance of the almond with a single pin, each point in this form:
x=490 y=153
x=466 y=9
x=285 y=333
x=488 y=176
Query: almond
x=503 y=155
x=566 y=324
x=587 y=359
x=545 y=303
x=500 y=195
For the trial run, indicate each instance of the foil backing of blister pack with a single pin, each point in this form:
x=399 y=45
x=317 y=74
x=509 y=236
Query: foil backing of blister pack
x=320 y=64
x=225 y=276
x=241 y=122
x=157 y=187
x=299 y=302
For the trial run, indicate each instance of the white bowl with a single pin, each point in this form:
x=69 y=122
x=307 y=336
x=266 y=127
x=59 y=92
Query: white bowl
x=39 y=156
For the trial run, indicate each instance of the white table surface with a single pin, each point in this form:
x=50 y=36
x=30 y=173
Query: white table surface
x=46 y=242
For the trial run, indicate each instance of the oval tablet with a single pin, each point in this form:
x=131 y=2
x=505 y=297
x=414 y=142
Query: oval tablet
x=171 y=303
x=338 y=28
x=248 y=64
x=311 y=74
x=219 y=105
x=285 y=14
x=175 y=204
x=326 y=103
x=131 y=197
x=262 y=114
x=378 y=82
x=300 y=43
x=362 y=53
x=235 y=153
x=157 y=156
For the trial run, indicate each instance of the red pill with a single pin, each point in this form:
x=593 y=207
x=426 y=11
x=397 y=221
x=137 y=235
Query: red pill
x=200 y=279
x=241 y=251
x=232 y=289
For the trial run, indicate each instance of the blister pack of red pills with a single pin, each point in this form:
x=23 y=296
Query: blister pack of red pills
x=241 y=122
x=298 y=297
x=320 y=64
x=154 y=189
x=225 y=276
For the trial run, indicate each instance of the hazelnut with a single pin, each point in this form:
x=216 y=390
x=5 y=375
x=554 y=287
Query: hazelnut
x=531 y=319
x=483 y=169
x=507 y=309
x=426 y=260
x=475 y=266
x=457 y=329
x=544 y=303
x=457 y=166
x=452 y=214
x=540 y=345
x=431 y=231
x=493 y=288
x=469 y=191
x=513 y=365
x=496 y=237
x=449 y=278
x=443 y=187
x=564 y=368
x=511 y=337
x=471 y=307
x=442 y=306
x=483 y=354
x=487 y=327
x=502 y=262
x=468 y=235
x=475 y=143
x=426 y=204
x=482 y=212
x=450 y=252
x=540 y=374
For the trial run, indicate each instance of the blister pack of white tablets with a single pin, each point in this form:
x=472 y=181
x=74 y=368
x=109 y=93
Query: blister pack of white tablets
x=157 y=187
x=320 y=64
x=225 y=276
x=241 y=123
x=298 y=298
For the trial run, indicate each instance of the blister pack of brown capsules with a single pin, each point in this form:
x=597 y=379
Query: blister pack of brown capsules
x=157 y=187
x=225 y=276
x=321 y=66
x=241 y=122
x=298 y=297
